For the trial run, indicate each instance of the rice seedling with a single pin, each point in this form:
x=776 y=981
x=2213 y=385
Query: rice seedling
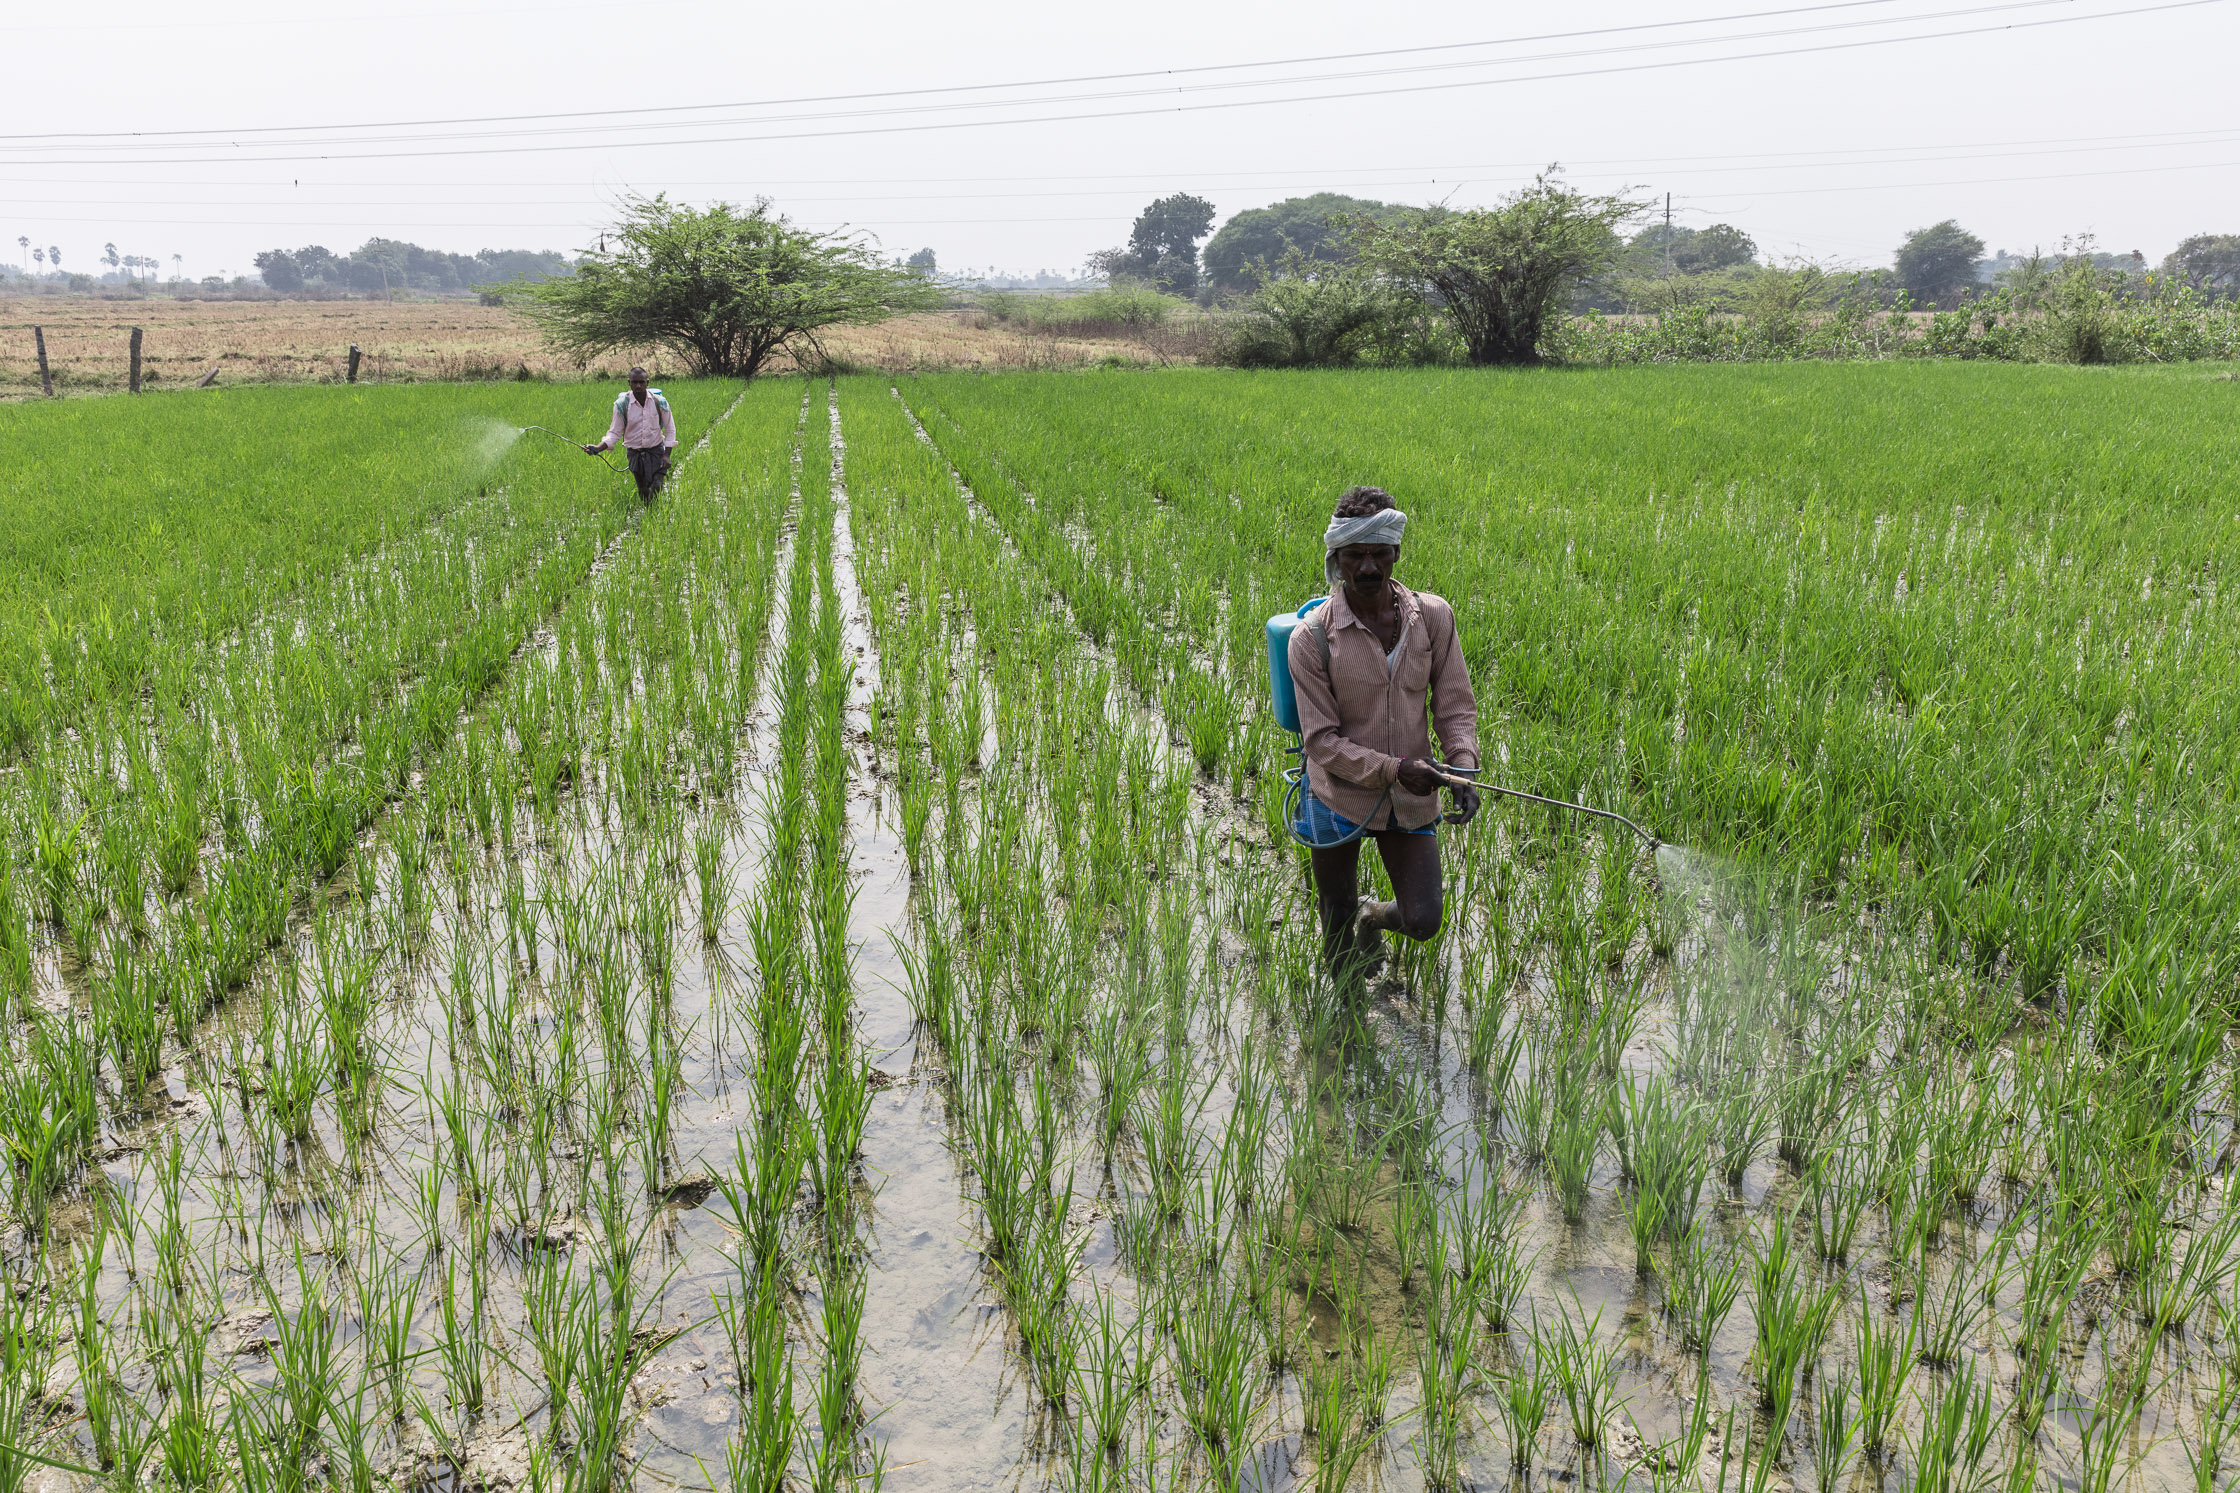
x=1677 y=1464
x=1585 y=1370
x=1886 y=1359
x=1835 y=1429
x=1526 y=1394
x=1701 y=1288
x=1793 y=1319
x=1957 y=1426
x=1448 y=1380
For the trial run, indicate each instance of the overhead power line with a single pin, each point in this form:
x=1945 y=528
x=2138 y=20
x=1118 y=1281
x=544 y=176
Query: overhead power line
x=929 y=126
x=1079 y=78
x=1634 y=166
x=1403 y=174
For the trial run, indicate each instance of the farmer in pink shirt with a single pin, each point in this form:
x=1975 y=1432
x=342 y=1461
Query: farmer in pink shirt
x=646 y=429
x=1380 y=666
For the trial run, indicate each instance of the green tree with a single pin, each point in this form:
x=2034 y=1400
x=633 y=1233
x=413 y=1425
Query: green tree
x=1163 y=245
x=280 y=270
x=1718 y=247
x=1939 y=261
x=923 y=261
x=1263 y=236
x=1500 y=273
x=723 y=287
x=2208 y=262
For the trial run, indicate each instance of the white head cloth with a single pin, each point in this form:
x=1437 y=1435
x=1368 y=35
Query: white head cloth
x=1383 y=527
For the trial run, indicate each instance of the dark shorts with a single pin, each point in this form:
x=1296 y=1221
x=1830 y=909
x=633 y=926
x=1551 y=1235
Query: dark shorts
x=650 y=465
x=1322 y=825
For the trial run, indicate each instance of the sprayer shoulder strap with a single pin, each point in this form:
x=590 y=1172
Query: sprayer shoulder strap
x=1317 y=622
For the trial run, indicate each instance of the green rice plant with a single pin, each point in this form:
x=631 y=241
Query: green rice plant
x=2196 y=1275
x=618 y=1334
x=1118 y=1053
x=1166 y=1130
x=1666 y=1145
x=1961 y=1136
x=49 y=1114
x=754 y=1323
x=1957 y=1426
x=2216 y=1417
x=1806 y=1105
x=57 y=850
x=1745 y=1124
x=1447 y=1381
x=461 y=1339
x=1700 y=1289
x=193 y=1445
x=296 y=1064
x=1111 y=1375
x=1244 y=1135
x=1585 y=1370
x=1886 y=1359
x=1951 y=1313
x=839 y=1417
x=1375 y=1369
x=307 y=1368
x=1037 y=1286
x=1835 y=1429
x=1677 y=1465
x=130 y=1006
x=1838 y=1190
x=1217 y=1377
x=1527 y=1391
x=1793 y=1319
x=1574 y=1140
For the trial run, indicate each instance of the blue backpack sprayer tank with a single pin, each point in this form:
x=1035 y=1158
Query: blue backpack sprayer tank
x=1285 y=700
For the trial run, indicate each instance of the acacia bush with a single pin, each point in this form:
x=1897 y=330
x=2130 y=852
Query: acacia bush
x=1321 y=315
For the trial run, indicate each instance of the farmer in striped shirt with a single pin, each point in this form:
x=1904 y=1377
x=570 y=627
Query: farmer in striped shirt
x=646 y=429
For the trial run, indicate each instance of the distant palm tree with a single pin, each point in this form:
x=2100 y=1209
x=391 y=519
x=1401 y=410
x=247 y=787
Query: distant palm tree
x=40 y=255
x=54 y=257
x=178 y=266
x=23 y=242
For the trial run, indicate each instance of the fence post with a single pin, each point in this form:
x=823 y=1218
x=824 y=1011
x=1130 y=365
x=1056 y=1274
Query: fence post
x=353 y=362
x=46 y=379
x=135 y=360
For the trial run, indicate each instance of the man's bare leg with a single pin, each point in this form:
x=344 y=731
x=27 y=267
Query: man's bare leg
x=1337 y=895
x=1412 y=864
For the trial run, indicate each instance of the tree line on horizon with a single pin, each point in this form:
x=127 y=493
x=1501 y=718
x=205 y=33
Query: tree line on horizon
x=385 y=265
x=1934 y=266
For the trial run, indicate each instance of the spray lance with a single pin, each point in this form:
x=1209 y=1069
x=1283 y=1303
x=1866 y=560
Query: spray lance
x=1286 y=702
x=586 y=450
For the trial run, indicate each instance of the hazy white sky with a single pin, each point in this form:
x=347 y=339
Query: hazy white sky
x=2026 y=121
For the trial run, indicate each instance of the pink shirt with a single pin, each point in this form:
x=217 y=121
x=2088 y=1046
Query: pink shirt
x=1360 y=716
x=640 y=425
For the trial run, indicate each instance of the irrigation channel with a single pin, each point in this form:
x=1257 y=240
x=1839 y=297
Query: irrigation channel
x=808 y=1016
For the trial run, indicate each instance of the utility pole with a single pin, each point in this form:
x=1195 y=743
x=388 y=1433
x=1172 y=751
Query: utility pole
x=1668 y=234
x=46 y=379
x=135 y=360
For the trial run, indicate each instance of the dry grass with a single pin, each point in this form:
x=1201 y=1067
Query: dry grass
x=88 y=340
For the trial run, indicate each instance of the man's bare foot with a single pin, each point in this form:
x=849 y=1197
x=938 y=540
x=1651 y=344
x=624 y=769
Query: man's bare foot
x=1368 y=934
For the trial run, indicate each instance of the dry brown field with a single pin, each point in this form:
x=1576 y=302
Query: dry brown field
x=253 y=342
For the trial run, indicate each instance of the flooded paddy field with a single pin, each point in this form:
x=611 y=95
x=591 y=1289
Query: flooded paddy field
x=804 y=985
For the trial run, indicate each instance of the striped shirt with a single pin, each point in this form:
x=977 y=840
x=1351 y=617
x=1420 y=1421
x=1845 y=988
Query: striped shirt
x=640 y=424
